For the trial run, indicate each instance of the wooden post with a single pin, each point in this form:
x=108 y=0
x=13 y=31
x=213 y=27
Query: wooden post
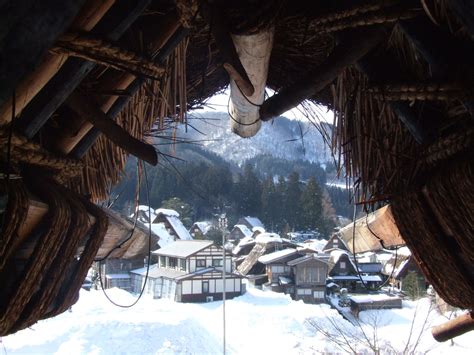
x=29 y=87
x=350 y=50
x=70 y=76
x=90 y=112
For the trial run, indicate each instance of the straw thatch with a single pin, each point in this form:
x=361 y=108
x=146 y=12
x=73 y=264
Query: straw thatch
x=403 y=116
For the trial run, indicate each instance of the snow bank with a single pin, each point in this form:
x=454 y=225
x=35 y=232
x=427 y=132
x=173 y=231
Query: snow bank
x=167 y=212
x=257 y=323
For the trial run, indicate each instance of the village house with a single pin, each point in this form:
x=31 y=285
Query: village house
x=279 y=273
x=251 y=222
x=145 y=214
x=240 y=231
x=199 y=229
x=342 y=270
x=125 y=248
x=335 y=242
x=401 y=265
x=189 y=271
x=310 y=274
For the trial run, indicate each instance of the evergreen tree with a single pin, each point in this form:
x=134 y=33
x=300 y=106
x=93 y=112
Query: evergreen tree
x=270 y=204
x=185 y=211
x=292 y=201
x=280 y=214
x=250 y=190
x=311 y=205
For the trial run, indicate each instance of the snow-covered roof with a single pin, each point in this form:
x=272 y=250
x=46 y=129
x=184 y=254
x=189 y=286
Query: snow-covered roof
x=117 y=276
x=167 y=212
x=258 y=229
x=315 y=244
x=373 y=278
x=373 y=298
x=336 y=254
x=345 y=277
x=370 y=267
x=179 y=228
x=285 y=280
x=242 y=243
x=183 y=248
x=254 y=221
x=156 y=272
x=203 y=226
x=268 y=238
x=160 y=230
x=306 y=258
x=332 y=284
x=147 y=212
x=243 y=228
x=275 y=256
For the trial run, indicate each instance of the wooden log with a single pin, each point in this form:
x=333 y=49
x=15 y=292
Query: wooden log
x=92 y=113
x=221 y=33
x=28 y=88
x=71 y=75
x=454 y=327
x=105 y=53
x=349 y=51
x=90 y=136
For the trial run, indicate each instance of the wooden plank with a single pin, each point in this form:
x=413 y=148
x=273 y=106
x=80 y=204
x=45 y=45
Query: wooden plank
x=70 y=76
x=87 y=18
x=90 y=112
x=91 y=137
x=349 y=51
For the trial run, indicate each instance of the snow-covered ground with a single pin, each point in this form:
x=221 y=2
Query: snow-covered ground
x=257 y=323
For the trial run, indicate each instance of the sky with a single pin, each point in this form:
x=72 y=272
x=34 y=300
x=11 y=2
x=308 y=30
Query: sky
x=219 y=102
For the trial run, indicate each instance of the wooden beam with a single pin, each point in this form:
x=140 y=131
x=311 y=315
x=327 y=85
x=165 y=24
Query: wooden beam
x=29 y=86
x=349 y=51
x=71 y=75
x=103 y=52
x=454 y=327
x=91 y=136
x=92 y=113
x=219 y=25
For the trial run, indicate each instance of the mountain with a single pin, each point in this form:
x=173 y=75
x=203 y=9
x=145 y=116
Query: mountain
x=281 y=138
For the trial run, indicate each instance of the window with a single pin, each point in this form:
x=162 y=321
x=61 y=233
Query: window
x=334 y=243
x=318 y=294
x=280 y=269
x=162 y=261
x=343 y=264
x=303 y=291
x=182 y=264
x=216 y=262
x=201 y=263
x=205 y=286
x=172 y=262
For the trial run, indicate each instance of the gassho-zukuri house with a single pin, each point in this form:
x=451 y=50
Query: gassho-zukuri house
x=84 y=84
x=189 y=271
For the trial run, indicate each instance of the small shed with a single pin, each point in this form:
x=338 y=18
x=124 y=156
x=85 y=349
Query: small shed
x=373 y=302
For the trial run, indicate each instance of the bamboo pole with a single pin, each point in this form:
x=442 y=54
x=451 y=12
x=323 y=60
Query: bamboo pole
x=87 y=18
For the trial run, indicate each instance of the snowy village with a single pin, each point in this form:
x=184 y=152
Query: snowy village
x=236 y=176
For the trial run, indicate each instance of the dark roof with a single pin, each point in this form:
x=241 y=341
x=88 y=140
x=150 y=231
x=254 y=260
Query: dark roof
x=370 y=268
